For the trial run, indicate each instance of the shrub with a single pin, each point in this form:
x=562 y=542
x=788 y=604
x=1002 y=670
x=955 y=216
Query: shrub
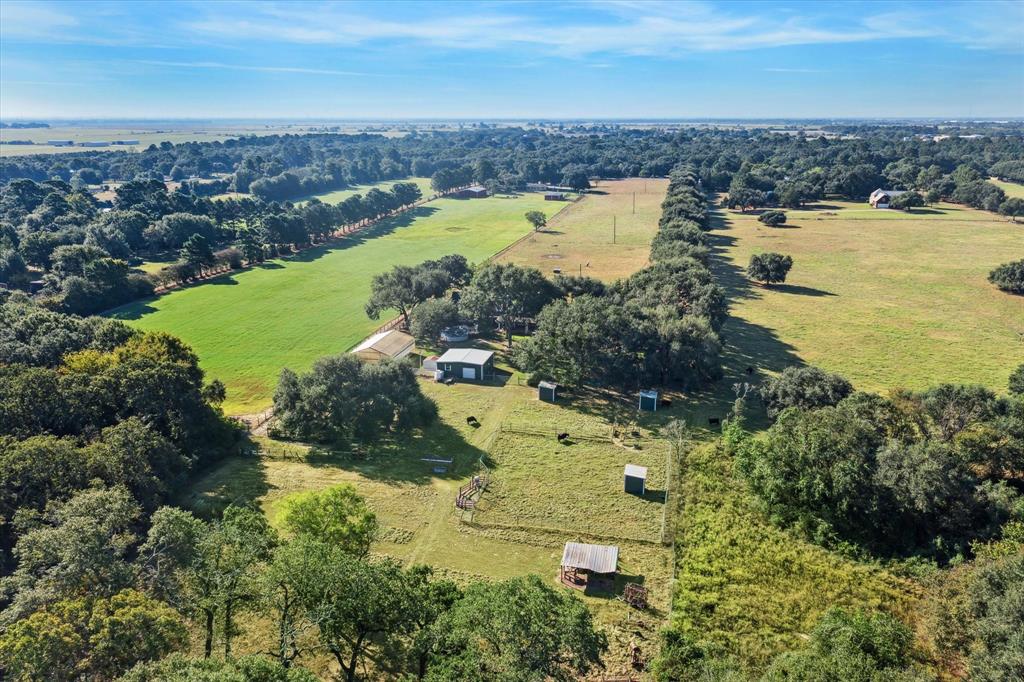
x=1009 y=277
x=769 y=268
x=773 y=218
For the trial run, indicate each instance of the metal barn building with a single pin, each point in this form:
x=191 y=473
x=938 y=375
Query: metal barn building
x=471 y=364
x=390 y=344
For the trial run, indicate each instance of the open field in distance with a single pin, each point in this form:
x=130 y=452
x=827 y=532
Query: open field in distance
x=579 y=240
x=886 y=298
x=1012 y=189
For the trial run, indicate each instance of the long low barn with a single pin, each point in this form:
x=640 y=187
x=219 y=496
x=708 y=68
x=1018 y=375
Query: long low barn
x=390 y=344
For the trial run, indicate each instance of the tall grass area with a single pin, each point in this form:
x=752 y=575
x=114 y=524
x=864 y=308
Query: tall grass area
x=247 y=326
x=606 y=234
x=749 y=589
x=885 y=298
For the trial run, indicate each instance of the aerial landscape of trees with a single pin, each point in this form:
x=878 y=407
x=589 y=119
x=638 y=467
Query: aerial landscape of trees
x=108 y=573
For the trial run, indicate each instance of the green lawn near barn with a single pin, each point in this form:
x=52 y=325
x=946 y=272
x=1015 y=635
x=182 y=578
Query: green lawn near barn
x=249 y=325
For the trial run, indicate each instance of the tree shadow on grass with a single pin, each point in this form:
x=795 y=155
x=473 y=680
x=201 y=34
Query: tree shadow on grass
x=384 y=227
x=238 y=480
x=799 y=290
x=400 y=460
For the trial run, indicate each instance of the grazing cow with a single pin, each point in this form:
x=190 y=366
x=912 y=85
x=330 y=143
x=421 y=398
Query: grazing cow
x=562 y=436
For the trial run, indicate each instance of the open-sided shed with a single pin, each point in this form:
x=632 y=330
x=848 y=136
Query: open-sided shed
x=635 y=479
x=581 y=562
x=390 y=344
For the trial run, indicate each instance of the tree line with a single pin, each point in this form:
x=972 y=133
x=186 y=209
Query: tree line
x=83 y=255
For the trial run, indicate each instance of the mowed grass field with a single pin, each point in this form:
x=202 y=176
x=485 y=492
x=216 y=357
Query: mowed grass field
x=338 y=196
x=886 y=298
x=579 y=240
x=1012 y=189
x=247 y=326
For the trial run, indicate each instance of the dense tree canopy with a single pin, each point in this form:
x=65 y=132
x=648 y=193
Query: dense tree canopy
x=344 y=398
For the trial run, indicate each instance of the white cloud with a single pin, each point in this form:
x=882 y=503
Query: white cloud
x=32 y=20
x=245 y=67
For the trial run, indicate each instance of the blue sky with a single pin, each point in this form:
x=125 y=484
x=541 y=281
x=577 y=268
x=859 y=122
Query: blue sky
x=616 y=59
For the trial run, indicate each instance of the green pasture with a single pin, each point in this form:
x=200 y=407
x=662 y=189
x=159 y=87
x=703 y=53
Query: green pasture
x=248 y=325
x=605 y=234
x=542 y=493
x=338 y=196
x=1012 y=189
x=886 y=298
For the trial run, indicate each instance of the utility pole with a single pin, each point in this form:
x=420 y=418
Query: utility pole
x=613 y=229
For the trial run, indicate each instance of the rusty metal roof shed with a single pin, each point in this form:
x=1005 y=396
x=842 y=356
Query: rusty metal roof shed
x=593 y=558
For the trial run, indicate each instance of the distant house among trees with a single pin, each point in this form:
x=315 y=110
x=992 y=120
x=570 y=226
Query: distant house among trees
x=881 y=198
x=474 y=192
x=554 y=196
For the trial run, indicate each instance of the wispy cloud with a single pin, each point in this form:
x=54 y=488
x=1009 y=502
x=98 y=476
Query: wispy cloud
x=247 y=67
x=578 y=29
x=626 y=27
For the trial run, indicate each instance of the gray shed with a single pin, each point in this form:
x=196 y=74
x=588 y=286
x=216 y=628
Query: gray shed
x=547 y=391
x=649 y=401
x=467 y=363
x=635 y=479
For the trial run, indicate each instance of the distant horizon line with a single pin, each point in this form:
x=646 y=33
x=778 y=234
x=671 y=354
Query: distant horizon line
x=500 y=119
